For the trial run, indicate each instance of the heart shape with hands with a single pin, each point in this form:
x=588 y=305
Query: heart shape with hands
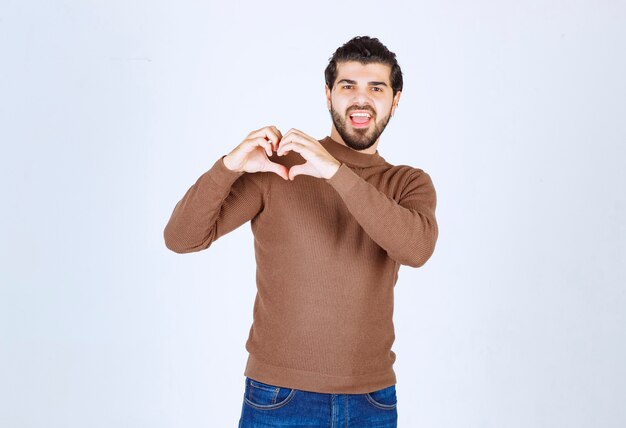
x=253 y=154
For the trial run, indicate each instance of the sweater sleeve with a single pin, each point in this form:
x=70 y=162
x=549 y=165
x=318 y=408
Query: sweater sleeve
x=407 y=230
x=218 y=202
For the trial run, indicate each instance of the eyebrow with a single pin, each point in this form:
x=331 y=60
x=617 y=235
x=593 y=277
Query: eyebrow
x=353 y=82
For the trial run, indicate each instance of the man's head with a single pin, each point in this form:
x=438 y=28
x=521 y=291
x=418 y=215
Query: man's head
x=363 y=87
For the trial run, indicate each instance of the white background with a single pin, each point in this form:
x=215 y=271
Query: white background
x=110 y=110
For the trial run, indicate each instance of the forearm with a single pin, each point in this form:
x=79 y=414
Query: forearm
x=193 y=225
x=407 y=231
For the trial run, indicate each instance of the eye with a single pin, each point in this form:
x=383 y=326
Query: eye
x=377 y=89
x=347 y=86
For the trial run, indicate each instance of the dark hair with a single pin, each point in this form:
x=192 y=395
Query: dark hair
x=365 y=50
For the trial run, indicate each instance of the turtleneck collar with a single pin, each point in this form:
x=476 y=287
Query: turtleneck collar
x=350 y=156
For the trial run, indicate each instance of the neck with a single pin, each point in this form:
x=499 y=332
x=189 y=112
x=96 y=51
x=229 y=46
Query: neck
x=336 y=137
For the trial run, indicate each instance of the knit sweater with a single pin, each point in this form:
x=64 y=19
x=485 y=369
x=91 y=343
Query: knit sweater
x=328 y=252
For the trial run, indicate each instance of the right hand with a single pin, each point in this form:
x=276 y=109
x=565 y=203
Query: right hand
x=253 y=153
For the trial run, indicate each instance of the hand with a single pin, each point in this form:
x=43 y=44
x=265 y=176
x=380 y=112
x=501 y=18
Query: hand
x=253 y=152
x=319 y=163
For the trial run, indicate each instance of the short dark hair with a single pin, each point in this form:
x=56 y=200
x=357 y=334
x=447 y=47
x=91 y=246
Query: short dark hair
x=365 y=50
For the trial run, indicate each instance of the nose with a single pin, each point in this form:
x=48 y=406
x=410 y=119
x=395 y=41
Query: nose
x=362 y=93
x=361 y=96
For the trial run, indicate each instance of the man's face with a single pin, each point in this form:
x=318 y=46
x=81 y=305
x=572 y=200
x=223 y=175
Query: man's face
x=361 y=102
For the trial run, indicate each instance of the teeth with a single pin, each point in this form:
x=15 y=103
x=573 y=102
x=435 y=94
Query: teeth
x=361 y=115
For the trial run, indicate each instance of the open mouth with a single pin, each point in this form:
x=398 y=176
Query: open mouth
x=360 y=119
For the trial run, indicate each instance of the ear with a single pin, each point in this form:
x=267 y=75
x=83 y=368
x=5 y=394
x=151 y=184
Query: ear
x=396 y=100
x=327 y=96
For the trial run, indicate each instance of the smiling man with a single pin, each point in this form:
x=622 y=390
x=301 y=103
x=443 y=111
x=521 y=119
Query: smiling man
x=332 y=223
x=361 y=98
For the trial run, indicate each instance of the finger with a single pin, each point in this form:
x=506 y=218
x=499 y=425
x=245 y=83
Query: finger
x=303 y=136
x=289 y=145
x=259 y=141
x=296 y=135
x=301 y=169
x=290 y=134
x=269 y=133
x=278 y=169
x=277 y=132
x=273 y=135
x=279 y=138
x=284 y=142
x=266 y=131
x=294 y=131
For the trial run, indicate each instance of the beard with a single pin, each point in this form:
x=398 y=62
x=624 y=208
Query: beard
x=359 y=138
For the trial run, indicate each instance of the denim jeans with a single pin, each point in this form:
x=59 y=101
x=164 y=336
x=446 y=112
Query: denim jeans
x=273 y=406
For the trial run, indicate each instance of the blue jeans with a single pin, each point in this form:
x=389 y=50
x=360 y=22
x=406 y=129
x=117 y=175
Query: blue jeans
x=273 y=406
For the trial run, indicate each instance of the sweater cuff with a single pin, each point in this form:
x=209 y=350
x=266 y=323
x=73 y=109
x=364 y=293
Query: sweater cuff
x=221 y=175
x=344 y=179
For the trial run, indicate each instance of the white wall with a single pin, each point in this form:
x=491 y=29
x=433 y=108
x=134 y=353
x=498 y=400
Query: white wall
x=109 y=111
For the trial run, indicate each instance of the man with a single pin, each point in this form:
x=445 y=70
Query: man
x=333 y=222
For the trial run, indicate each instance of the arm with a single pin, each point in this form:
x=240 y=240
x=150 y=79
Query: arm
x=407 y=230
x=220 y=201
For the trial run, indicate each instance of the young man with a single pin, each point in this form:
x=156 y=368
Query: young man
x=333 y=222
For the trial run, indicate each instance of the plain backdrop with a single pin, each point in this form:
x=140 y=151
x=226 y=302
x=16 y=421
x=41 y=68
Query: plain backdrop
x=110 y=110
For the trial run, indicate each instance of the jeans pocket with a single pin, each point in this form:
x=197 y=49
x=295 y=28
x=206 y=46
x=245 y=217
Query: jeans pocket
x=265 y=396
x=383 y=398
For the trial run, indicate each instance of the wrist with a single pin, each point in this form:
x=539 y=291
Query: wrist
x=333 y=171
x=226 y=162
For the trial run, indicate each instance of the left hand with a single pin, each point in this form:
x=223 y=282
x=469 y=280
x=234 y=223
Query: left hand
x=319 y=163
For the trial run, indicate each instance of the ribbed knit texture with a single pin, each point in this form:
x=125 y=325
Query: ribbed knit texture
x=328 y=254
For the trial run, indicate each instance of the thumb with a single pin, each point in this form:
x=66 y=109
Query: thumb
x=298 y=170
x=278 y=169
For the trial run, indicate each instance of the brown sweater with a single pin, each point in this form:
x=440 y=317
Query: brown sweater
x=328 y=254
